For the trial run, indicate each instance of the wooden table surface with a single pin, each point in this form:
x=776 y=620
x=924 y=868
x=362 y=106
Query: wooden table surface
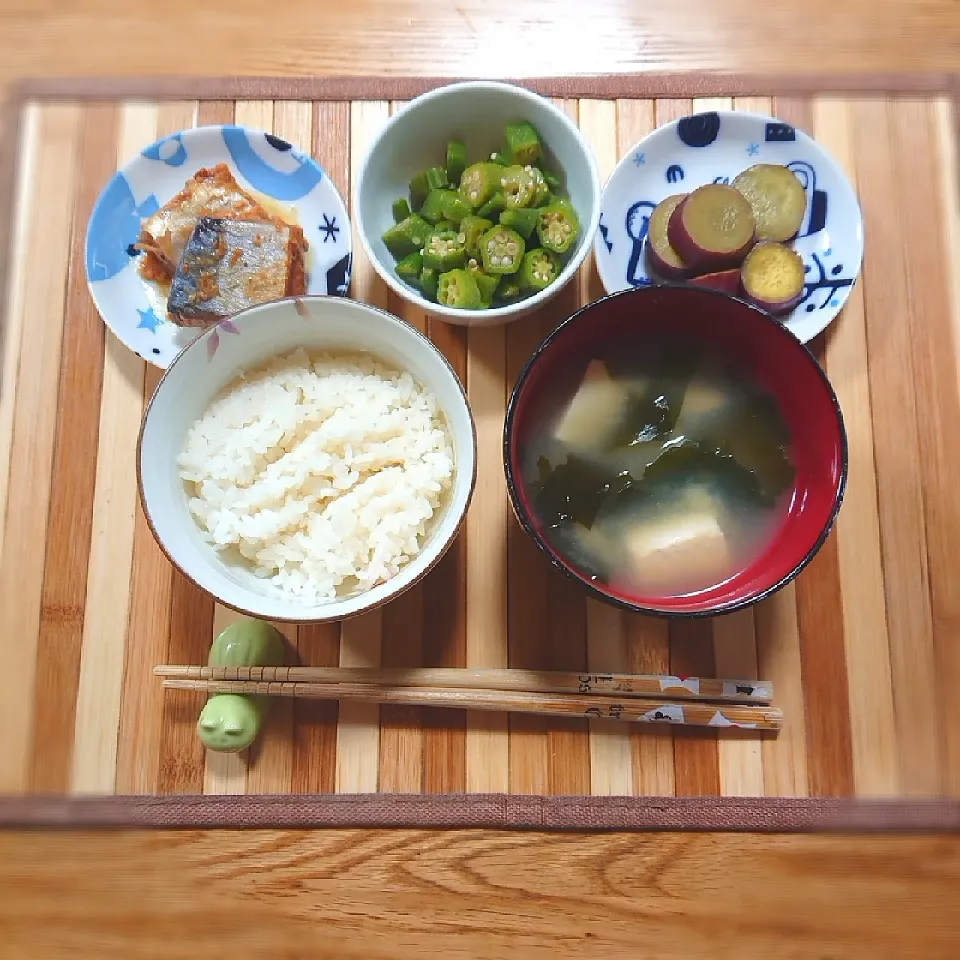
x=473 y=894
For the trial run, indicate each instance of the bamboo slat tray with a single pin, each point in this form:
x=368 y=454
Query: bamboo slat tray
x=864 y=648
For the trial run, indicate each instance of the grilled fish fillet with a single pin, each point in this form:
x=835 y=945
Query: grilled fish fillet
x=228 y=265
x=209 y=192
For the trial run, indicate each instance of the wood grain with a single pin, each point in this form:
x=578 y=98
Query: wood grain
x=34 y=430
x=529 y=623
x=869 y=684
x=401 y=727
x=47 y=38
x=900 y=471
x=477 y=894
x=880 y=598
x=839 y=644
x=928 y=267
x=487 y=758
x=20 y=208
x=949 y=656
x=74 y=473
x=570 y=754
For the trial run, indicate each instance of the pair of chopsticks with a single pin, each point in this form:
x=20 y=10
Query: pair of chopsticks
x=632 y=697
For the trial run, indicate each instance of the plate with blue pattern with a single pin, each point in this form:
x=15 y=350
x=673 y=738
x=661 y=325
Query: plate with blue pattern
x=714 y=147
x=287 y=181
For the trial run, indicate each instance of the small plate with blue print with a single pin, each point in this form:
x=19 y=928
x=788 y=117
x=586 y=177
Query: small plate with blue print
x=714 y=147
x=287 y=182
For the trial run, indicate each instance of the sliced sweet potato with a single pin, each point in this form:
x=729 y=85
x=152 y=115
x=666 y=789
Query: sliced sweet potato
x=713 y=228
x=777 y=199
x=726 y=280
x=664 y=260
x=772 y=277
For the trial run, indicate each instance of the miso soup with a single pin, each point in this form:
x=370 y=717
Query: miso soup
x=660 y=470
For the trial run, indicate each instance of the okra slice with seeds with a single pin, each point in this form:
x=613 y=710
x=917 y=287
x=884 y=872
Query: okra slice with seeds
x=458 y=288
x=519 y=185
x=558 y=226
x=543 y=195
x=444 y=250
x=523 y=143
x=479 y=183
x=538 y=270
x=501 y=250
x=407 y=235
x=473 y=228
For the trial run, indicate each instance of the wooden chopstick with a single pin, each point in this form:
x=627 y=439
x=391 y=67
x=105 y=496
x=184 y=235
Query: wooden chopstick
x=689 y=713
x=619 y=685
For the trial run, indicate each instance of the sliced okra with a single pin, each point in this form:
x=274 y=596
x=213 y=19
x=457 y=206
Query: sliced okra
x=538 y=270
x=456 y=161
x=458 y=288
x=433 y=179
x=485 y=282
x=410 y=266
x=523 y=143
x=493 y=207
x=508 y=289
x=432 y=208
x=501 y=250
x=479 y=183
x=558 y=226
x=473 y=228
x=519 y=185
x=401 y=209
x=428 y=282
x=522 y=219
x=408 y=235
x=444 y=250
x=454 y=207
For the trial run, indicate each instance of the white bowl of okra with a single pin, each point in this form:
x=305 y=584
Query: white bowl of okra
x=478 y=201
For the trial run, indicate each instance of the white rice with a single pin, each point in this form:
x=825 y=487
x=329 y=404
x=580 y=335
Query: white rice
x=323 y=471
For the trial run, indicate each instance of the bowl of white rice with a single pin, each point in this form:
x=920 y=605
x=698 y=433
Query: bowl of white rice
x=307 y=460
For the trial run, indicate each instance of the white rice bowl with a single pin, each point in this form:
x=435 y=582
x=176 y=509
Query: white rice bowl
x=322 y=472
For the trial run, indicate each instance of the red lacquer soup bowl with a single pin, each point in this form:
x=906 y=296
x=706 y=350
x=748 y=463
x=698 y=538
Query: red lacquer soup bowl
x=770 y=355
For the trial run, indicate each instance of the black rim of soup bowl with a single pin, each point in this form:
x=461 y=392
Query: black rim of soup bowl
x=526 y=520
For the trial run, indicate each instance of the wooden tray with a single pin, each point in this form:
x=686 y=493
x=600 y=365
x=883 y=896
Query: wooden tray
x=864 y=648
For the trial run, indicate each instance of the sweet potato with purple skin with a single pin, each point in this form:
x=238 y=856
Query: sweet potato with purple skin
x=726 y=280
x=713 y=228
x=777 y=199
x=773 y=277
x=664 y=261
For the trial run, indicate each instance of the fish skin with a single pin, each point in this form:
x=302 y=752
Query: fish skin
x=228 y=265
x=210 y=192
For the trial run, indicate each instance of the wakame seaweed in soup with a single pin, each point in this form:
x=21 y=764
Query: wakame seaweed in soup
x=664 y=471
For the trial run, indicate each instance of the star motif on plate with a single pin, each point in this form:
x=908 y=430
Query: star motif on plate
x=639 y=159
x=329 y=229
x=753 y=149
x=148 y=320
